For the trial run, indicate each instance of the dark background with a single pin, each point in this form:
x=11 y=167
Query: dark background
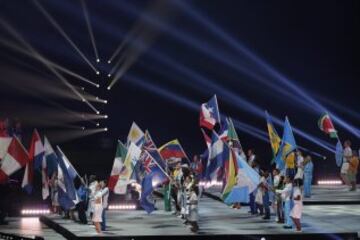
x=314 y=43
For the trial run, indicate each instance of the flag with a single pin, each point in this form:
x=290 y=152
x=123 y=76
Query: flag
x=326 y=125
x=288 y=145
x=148 y=142
x=157 y=171
x=27 y=181
x=155 y=177
x=132 y=156
x=136 y=135
x=4 y=145
x=15 y=158
x=51 y=158
x=275 y=140
x=69 y=167
x=339 y=154
x=156 y=156
x=224 y=131
x=209 y=113
x=36 y=151
x=230 y=173
x=218 y=154
x=171 y=150
x=146 y=190
x=36 y=155
x=44 y=180
x=66 y=188
x=232 y=135
x=247 y=181
x=120 y=155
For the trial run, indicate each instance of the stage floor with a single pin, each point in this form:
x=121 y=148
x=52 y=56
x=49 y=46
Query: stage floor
x=218 y=219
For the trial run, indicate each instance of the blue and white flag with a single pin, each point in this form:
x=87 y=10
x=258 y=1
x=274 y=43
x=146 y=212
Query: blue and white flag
x=71 y=170
x=209 y=113
x=339 y=154
x=218 y=154
x=51 y=158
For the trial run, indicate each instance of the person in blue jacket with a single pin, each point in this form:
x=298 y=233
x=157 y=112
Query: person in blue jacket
x=308 y=174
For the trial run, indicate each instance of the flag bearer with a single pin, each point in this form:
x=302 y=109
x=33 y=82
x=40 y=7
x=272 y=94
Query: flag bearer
x=308 y=174
x=353 y=169
x=193 y=208
x=296 y=211
x=286 y=194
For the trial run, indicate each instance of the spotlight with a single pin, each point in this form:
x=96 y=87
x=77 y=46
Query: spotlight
x=97 y=73
x=329 y=182
x=98 y=85
x=109 y=75
x=105 y=101
x=97 y=60
x=105 y=129
x=108 y=88
x=83 y=128
x=97 y=124
x=35 y=211
x=82 y=88
x=97 y=98
x=83 y=99
x=109 y=61
x=106 y=116
x=97 y=112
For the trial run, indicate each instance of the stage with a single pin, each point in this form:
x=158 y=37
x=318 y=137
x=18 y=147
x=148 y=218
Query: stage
x=217 y=221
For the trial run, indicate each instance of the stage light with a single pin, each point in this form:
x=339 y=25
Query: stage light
x=83 y=99
x=105 y=129
x=83 y=128
x=35 y=211
x=97 y=124
x=106 y=116
x=122 y=207
x=97 y=98
x=97 y=85
x=329 y=182
x=105 y=101
x=82 y=88
x=97 y=73
x=109 y=75
x=97 y=60
x=97 y=112
x=108 y=88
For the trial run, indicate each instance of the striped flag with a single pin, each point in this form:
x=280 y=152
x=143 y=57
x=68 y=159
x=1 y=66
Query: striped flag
x=15 y=158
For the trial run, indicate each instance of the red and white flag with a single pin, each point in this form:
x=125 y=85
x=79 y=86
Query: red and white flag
x=15 y=158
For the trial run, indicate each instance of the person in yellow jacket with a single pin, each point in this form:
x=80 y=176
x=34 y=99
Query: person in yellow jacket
x=353 y=169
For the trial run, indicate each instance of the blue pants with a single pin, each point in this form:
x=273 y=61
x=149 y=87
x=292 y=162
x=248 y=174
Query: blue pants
x=266 y=204
x=103 y=218
x=307 y=185
x=252 y=203
x=290 y=172
x=287 y=209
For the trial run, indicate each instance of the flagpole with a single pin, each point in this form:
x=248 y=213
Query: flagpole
x=161 y=168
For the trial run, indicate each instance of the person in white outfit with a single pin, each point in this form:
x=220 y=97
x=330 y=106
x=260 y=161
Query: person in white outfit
x=299 y=165
x=297 y=209
x=98 y=208
x=92 y=187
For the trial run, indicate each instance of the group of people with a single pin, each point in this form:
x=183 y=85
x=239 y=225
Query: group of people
x=92 y=202
x=282 y=190
x=184 y=189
